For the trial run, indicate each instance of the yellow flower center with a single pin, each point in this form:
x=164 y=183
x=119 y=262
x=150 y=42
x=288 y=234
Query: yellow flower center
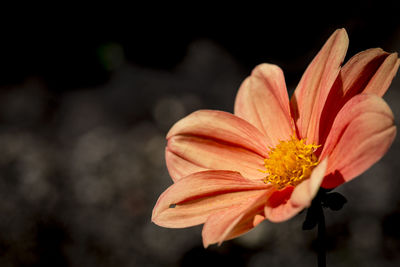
x=290 y=162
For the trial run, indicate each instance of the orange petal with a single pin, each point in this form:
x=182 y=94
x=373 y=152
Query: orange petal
x=179 y=167
x=305 y=192
x=235 y=221
x=258 y=219
x=361 y=68
x=286 y=203
x=279 y=207
x=210 y=154
x=352 y=80
x=214 y=133
x=263 y=101
x=383 y=77
x=200 y=194
x=310 y=95
x=361 y=134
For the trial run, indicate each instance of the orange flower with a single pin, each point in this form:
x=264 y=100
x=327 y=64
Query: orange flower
x=268 y=160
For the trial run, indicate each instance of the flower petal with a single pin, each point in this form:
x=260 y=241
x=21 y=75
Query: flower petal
x=263 y=101
x=383 y=77
x=305 y=192
x=284 y=204
x=200 y=194
x=235 y=221
x=361 y=134
x=180 y=167
x=361 y=69
x=352 y=80
x=214 y=155
x=310 y=95
x=204 y=136
x=280 y=207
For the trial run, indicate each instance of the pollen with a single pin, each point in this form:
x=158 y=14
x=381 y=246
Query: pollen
x=290 y=162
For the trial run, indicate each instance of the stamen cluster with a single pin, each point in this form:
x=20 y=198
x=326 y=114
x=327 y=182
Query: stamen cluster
x=290 y=162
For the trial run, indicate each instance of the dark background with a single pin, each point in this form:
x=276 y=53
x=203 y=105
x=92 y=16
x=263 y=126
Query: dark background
x=86 y=98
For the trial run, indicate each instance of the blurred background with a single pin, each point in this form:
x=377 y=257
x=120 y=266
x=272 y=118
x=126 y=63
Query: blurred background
x=86 y=101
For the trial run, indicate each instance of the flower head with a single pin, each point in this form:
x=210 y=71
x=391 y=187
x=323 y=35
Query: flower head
x=268 y=160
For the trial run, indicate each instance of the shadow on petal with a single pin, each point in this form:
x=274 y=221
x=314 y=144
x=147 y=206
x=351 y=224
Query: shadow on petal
x=352 y=80
x=280 y=197
x=333 y=180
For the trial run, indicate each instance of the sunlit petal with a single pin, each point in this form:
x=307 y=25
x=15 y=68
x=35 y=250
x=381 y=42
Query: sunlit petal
x=198 y=195
x=310 y=95
x=262 y=100
x=361 y=134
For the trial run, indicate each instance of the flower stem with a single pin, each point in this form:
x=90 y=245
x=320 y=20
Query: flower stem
x=321 y=237
x=315 y=216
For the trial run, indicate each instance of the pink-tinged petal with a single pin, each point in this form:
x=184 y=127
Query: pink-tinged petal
x=305 y=192
x=215 y=155
x=286 y=203
x=360 y=70
x=358 y=106
x=361 y=134
x=258 y=219
x=310 y=95
x=199 y=195
x=179 y=167
x=352 y=80
x=220 y=125
x=280 y=207
x=263 y=101
x=235 y=221
x=384 y=76
x=205 y=128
